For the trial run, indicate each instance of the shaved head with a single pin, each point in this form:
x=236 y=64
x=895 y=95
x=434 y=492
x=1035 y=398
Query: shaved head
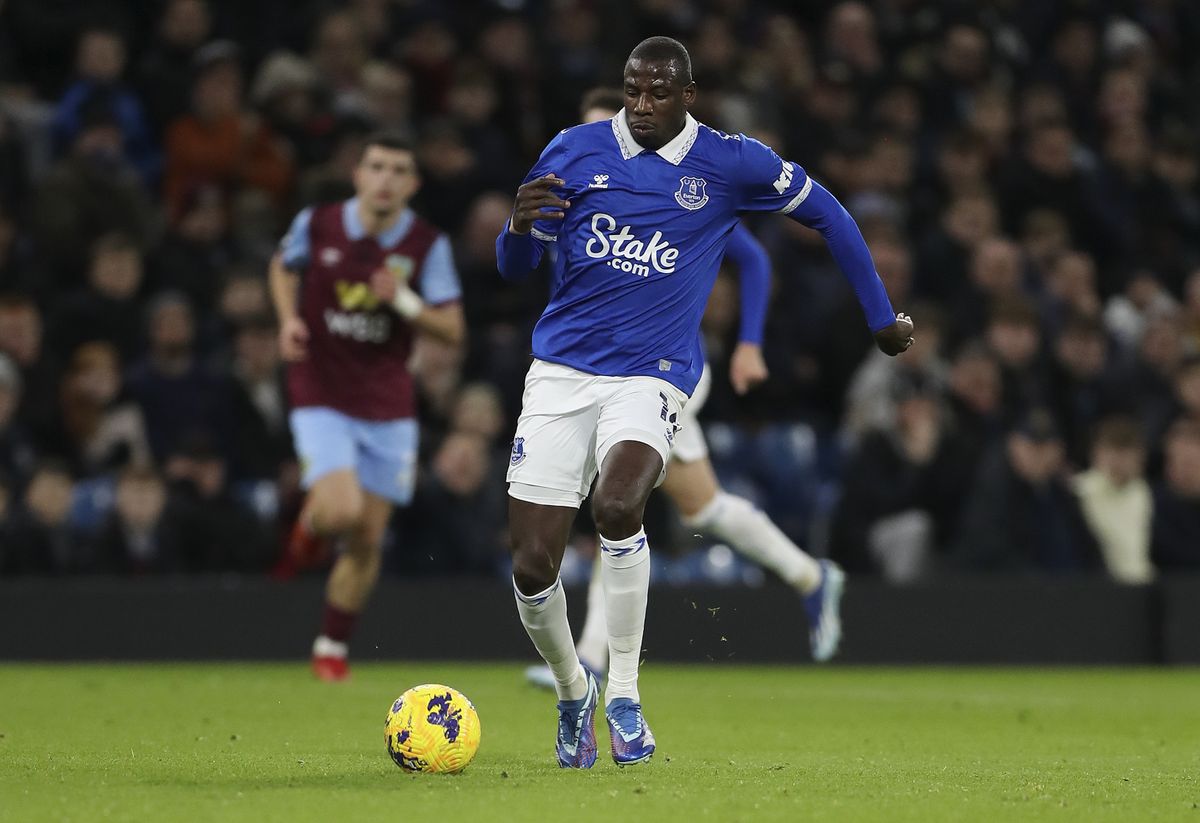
x=665 y=50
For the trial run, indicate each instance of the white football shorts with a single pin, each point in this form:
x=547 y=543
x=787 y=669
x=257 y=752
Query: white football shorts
x=569 y=422
x=690 y=444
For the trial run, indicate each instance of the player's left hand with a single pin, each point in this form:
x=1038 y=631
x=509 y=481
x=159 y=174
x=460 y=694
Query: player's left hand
x=747 y=368
x=896 y=338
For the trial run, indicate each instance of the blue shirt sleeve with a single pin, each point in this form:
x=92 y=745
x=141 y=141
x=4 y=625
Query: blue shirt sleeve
x=295 y=247
x=766 y=182
x=754 y=279
x=439 y=278
x=519 y=254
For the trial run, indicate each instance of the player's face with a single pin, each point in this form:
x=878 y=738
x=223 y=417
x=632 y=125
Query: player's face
x=386 y=179
x=656 y=103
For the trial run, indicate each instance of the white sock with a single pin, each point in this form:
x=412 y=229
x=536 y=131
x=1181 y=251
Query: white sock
x=544 y=616
x=593 y=640
x=325 y=647
x=626 y=590
x=749 y=531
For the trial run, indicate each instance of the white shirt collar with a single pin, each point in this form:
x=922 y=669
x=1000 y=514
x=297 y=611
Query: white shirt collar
x=673 y=152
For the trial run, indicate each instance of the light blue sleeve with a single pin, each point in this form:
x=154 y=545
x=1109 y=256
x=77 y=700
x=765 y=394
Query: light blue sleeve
x=295 y=247
x=439 y=277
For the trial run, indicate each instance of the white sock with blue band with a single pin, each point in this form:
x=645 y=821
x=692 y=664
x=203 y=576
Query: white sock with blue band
x=544 y=616
x=626 y=575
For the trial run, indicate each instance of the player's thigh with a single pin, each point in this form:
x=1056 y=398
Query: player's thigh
x=325 y=443
x=639 y=410
x=691 y=485
x=386 y=458
x=552 y=461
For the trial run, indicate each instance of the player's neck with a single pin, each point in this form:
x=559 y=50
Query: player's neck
x=376 y=223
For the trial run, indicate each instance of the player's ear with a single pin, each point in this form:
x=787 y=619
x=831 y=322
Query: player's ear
x=689 y=94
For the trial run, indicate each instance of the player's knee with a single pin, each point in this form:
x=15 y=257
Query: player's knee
x=617 y=515
x=534 y=569
x=338 y=515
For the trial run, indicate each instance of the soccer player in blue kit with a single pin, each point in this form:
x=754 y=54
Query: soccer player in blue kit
x=640 y=209
x=692 y=484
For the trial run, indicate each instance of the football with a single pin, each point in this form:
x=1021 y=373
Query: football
x=432 y=728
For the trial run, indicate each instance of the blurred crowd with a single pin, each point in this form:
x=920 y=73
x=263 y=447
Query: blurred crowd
x=1026 y=175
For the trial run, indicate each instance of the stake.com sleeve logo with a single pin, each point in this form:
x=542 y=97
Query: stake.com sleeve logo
x=629 y=254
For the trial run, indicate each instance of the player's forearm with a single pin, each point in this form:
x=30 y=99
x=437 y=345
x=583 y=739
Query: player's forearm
x=284 y=287
x=821 y=211
x=517 y=254
x=445 y=323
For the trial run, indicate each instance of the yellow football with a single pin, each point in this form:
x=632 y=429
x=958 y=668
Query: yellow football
x=432 y=728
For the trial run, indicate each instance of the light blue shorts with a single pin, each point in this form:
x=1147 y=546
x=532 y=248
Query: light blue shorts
x=383 y=453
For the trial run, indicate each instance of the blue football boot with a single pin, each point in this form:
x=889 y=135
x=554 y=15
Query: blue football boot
x=576 y=745
x=632 y=740
x=824 y=609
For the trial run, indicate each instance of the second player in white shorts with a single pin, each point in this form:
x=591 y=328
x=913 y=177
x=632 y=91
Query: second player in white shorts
x=690 y=444
x=569 y=422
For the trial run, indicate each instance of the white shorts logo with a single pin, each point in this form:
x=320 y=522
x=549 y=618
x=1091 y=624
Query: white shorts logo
x=629 y=254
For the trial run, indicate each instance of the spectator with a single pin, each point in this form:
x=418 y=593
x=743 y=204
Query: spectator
x=261 y=438
x=89 y=193
x=219 y=142
x=1014 y=336
x=976 y=397
x=869 y=400
x=165 y=75
x=21 y=342
x=108 y=308
x=458 y=508
x=176 y=392
x=287 y=93
x=1081 y=390
x=195 y=249
x=16 y=447
x=1116 y=500
x=97 y=428
x=99 y=66
x=40 y=538
x=1021 y=514
x=216 y=533
x=141 y=535
x=1175 y=541
x=903 y=488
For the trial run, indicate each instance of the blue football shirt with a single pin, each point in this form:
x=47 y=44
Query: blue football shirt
x=641 y=244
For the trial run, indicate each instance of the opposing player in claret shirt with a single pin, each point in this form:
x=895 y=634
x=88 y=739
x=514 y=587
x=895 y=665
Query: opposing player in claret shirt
x=640 y=209
x=353 y=284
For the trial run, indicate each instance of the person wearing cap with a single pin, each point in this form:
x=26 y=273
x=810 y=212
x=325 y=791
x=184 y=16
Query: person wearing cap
x=1022 y=514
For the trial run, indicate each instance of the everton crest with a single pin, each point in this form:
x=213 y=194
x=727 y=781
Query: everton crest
x=691 y=194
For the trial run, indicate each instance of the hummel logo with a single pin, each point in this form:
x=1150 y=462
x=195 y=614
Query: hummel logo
x=600 y=181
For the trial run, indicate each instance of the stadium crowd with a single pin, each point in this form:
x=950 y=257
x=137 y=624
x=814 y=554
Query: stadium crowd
x=1027 y=176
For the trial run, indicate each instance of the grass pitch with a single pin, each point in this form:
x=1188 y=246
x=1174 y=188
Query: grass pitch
x=265 y=742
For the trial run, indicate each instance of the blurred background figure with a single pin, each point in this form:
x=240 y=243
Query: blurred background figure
x=1116 y=500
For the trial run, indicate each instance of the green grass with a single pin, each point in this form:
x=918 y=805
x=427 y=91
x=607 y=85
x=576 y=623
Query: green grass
x=265 y=742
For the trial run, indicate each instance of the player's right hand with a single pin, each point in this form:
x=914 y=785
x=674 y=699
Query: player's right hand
x=293 y=340
x=534 y=196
